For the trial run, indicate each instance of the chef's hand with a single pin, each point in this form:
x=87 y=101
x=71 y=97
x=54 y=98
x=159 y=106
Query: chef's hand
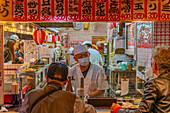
x=20 y=59
x=114 y=106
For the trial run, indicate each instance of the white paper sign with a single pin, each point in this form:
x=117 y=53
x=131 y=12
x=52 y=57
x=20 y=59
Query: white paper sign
x=124 y=86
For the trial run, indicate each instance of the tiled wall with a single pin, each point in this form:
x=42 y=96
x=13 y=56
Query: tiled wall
x=161 y=33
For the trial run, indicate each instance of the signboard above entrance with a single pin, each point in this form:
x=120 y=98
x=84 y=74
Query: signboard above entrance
x=84 y=10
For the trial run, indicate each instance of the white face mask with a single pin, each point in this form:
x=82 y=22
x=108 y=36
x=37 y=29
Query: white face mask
x=84 y=61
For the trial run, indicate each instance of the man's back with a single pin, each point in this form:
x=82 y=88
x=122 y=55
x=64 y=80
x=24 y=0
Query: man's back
x=58 y=102
x=95 y=56
x=157 y=95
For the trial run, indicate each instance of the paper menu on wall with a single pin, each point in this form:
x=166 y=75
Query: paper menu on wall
x=45 y=51
x=31 y=50
x=124 y=86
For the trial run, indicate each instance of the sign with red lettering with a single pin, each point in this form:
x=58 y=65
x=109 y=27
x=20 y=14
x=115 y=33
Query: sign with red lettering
x=60 y=10
x=73 y=10
x=86 y=10
x=165 y=10
x=113 y=10
x=152 y=10
x=126 y=10
x=45 y=12
x=32 y=10
x=138 y=10
x=19 y=10
x=100 y=10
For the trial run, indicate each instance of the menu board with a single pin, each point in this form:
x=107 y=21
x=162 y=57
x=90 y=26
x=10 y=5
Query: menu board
x=1 y=66
x=31 y=50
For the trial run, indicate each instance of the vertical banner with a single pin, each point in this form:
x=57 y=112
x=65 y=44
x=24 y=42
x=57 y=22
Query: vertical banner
x=100 y=10
x=45 y=10
x=19 y=10
x=152 y=10
x=86 y=10
x=32 y=10
x=73 y=10
x=1 y=66
x=165 y=10
x=144 y=34
x=6 y=10
x=113 y=10
x=126 y=10
x=60 y=10
x=138 y=10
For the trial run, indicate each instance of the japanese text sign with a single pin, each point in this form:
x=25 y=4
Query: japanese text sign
x=152 y=10
x=85 y=10
x=73 y=10
x=126 y=10
x=5 y=10
x=138 y=10
x=165 y=10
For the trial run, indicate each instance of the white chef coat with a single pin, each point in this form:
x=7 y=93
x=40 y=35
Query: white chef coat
x=95 y=56
x=94 y=80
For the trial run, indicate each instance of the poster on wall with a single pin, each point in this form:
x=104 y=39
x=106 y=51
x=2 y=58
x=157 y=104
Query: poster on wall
x=1 y=66
x=131 y=33
x=75 y=43
x=99 y=41
x=144 y=34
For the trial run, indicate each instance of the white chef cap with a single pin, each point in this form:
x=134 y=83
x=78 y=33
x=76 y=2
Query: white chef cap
x=15 y=37
x=87 y=42
x=70 y=50
x=80 y=49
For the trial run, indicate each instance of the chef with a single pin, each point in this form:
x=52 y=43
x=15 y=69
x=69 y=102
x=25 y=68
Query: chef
x=94 y=77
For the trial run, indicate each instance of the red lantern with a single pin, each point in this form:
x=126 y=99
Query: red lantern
x=50 y=38
x=58 y=38
x=39 y=36
x=53 y=39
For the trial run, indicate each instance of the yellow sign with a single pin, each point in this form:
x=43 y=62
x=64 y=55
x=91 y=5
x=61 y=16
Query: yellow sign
x=5 y=10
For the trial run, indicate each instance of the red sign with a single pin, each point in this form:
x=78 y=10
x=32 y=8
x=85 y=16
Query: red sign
x=113 y=10
x=165 y=10
x=100 y=10
x=152 y=10
x=45 y=12
x=90 y=10
x=60 y=10
x=73 y=10
x=32 y=10
x=126 y=10
x=138 y=10
x=86 y=10
x=19 y=10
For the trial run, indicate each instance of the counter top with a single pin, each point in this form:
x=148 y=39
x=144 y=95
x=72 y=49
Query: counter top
x=102 y=110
